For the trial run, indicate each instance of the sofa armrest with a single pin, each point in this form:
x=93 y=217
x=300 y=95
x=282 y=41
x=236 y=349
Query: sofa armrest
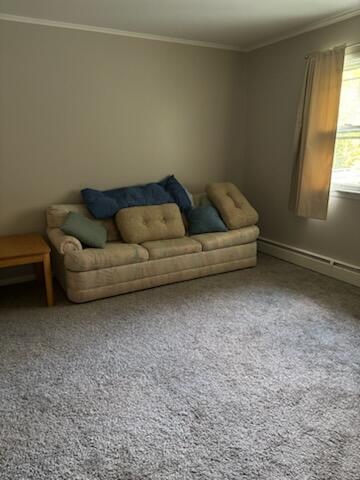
x=62 y=242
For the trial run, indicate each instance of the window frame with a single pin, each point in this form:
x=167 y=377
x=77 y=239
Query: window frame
x=352 y=60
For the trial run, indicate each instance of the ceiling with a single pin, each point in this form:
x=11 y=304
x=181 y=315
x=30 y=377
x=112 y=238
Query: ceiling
x=243 y=24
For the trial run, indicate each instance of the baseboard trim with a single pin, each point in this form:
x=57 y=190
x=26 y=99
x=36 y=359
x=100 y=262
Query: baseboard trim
x=332 y=268
x=327 y=266
x=19 y=279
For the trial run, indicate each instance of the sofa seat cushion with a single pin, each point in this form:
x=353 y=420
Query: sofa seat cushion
x=144 y=224
x=213 y=241
x=234 y=208
x=162 y=267
x=171 y=248
x=113 y=255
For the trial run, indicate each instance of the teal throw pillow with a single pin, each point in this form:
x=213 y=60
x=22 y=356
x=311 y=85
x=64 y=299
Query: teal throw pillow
x=89 y=232
x=205 y=219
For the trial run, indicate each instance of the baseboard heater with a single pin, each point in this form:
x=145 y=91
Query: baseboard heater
x=319 y=263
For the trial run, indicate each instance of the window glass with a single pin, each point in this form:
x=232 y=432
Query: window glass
x=346 y=167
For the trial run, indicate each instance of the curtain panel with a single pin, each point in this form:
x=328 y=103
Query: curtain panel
x=315 y=133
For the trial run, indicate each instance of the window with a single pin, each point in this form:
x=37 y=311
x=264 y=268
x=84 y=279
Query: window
x=346 y=166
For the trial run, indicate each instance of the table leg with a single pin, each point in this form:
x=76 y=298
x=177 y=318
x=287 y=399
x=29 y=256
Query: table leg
x=48 y=279
x=39 y=271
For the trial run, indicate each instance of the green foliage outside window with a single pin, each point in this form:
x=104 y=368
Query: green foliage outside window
x=347 y=148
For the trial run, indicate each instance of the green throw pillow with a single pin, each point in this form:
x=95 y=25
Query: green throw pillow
x=90 y=233
x=204 y=220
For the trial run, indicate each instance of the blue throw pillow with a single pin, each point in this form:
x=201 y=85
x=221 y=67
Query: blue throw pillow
x=106 y=204
x=177 y=191
x=99 y=204
x=205 y=220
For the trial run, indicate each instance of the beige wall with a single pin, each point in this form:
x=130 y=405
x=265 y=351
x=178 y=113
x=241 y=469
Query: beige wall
x=82 y=109
x=85 y=109
x=275 y=78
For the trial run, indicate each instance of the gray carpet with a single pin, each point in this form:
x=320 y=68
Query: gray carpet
x=253 y=374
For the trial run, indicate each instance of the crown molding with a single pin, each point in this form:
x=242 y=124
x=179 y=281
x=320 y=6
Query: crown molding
x=115 y=31
x=313 y=26
x=196 y=43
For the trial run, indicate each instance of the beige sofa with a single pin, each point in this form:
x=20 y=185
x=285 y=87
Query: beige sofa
x=90 y=273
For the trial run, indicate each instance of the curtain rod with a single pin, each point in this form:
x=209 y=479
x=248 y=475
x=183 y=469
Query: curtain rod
x=348 y=45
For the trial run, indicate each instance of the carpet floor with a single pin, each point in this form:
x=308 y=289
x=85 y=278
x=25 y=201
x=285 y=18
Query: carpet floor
x=253 y=374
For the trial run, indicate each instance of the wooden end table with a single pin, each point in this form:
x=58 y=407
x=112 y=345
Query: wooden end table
x=25 y=249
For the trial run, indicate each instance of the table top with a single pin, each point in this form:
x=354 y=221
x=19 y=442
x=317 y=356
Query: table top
x=22 y=245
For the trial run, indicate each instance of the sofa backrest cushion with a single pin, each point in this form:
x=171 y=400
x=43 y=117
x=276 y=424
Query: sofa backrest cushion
x=144 y=224
x=56 y=215
x=200 y=199
x=234 y=209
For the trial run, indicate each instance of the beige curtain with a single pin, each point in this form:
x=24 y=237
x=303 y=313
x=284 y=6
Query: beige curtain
x=315 y=133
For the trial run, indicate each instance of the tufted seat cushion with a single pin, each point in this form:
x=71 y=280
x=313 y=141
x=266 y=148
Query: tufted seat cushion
x=113 y=255
x=144 y=224
x=213 y=241
x=234 y=209
x=171 y=248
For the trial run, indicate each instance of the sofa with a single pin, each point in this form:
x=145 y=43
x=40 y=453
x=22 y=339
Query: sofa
x=139 y=261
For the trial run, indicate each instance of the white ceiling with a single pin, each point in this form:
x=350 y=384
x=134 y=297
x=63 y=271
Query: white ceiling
x=244 y=24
